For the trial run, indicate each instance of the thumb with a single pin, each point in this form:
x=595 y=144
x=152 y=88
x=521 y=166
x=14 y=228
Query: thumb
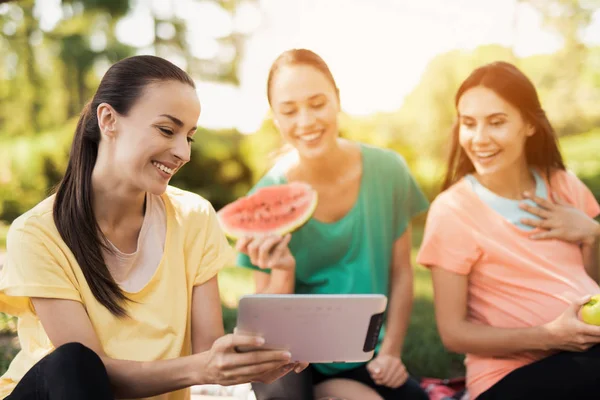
x=576 y=305
x=374 y=367
x=286 y=239
x=241 y=244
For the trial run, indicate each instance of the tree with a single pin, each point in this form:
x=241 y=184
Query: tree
x=51 y=71
x=569 y=18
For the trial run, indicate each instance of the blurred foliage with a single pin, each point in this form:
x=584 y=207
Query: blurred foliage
x=48 y=72
x=225 y=164
x=581 y=155
x=568 y=18
x=3 y=233
x=216 y=169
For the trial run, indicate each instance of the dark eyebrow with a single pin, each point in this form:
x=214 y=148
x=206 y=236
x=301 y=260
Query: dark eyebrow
x=314 y=96
x=177 y=121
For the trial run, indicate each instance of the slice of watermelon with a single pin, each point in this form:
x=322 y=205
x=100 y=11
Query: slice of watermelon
x=272 y=210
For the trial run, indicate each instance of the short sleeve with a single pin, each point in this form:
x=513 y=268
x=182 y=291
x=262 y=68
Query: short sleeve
x=448 y=241
x=409 y=199
x=34 y=267
x=587 y=201
x=210 y=249
x=571 y=189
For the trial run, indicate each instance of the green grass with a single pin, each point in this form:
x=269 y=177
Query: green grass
x=424 y=353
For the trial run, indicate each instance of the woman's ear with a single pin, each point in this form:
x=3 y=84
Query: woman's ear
x=107 y=119
x=530 y=130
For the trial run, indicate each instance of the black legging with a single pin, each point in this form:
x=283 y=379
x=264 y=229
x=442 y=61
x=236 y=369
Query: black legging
x=300 y=386
x=71 y=372
x=565 y=375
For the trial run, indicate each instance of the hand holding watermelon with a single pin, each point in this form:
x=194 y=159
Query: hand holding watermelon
x=263 y=221
x=268 y=252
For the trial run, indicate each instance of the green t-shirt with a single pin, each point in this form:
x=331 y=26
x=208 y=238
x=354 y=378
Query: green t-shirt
x=353 y=254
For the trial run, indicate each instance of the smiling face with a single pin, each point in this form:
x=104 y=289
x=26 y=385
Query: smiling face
x=152 y=142
x=492 y=132
x=305 y=109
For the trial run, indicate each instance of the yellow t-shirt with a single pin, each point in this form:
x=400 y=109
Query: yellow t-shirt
x=39 y=264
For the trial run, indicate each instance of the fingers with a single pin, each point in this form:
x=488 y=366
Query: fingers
x=576 y=348
x=265 y=249
x=387 y=374
x=582 y=342
x=589 y=331
x=582 y=300
x=255 y=372
x=300 y=367
x=575 y=306
x=589 y=341
x=536 y=223
x=279 y=251
x=229 y=342
x=253 y=249
x=242 y=244
x=374 y=370
x=258 y=357
x=540 y=212
x=403 y=377
x=548 y=205
x=545 y=235
x=273 y=375
x=260 y=250
x=398 y=377
x=376 y=374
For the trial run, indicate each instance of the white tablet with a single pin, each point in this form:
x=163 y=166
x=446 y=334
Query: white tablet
x=315 y=328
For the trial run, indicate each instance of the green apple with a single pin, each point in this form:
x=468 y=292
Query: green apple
x=590 y=311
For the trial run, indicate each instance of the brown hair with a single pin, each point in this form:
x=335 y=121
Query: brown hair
x=508 y=82
x=299 y=57
x=122 y=85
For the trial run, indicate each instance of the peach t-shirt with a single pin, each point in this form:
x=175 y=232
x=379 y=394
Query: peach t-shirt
x=514 y=282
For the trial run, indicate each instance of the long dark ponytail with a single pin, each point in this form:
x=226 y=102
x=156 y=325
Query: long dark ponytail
x=73 y=213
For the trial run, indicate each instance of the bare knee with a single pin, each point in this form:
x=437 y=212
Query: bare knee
x=344 y=389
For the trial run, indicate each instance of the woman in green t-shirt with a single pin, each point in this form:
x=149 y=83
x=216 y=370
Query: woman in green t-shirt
x=358 y=240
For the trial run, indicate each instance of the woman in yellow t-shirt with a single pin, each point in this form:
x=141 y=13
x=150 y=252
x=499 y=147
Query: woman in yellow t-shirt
x=113 y=278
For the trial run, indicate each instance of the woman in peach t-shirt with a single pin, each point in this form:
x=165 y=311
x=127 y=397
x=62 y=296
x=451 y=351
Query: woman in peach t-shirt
x=503 y=296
